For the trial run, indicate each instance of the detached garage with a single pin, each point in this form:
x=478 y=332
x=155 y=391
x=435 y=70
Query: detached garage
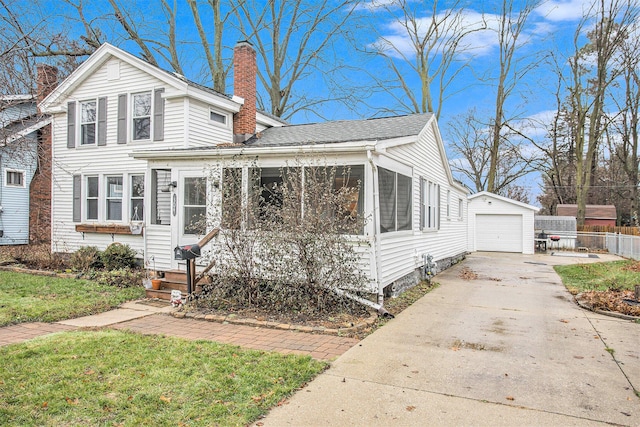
x=499 y=224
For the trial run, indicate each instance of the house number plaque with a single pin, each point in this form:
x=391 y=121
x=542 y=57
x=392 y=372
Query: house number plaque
x=174 y=204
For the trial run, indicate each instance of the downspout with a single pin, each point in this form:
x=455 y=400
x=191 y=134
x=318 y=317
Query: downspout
x=378 y=307
x=376 y=222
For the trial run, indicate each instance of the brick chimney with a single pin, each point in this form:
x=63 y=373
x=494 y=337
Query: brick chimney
x=244 y=86
x=40 y=188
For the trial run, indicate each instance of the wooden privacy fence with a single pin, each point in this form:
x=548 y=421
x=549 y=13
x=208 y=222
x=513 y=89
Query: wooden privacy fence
x=631 y=231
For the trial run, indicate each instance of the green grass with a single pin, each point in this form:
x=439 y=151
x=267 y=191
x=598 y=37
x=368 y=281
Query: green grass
x=598 y=276
x=30 y=298
x=114 y=378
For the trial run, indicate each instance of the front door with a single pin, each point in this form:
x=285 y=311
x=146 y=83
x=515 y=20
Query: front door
x=192 y=207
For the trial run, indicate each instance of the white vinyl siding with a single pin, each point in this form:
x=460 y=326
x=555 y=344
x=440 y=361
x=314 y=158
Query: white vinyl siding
x=402 y=254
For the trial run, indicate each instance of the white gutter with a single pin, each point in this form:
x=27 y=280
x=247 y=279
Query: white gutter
x=229 y=152
x=376 y=220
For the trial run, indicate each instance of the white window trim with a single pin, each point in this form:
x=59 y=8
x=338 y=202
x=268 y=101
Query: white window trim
x=460 y=209
x=102 y=197
x=85 y=198
x=131 y=198
x=80 y=123
x=131 y=116
x=224 y=125
x=22 y=172
x=448 y=204
x=431 y=203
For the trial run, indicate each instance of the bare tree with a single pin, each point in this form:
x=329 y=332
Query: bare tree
x=472 y=141
x=510 y=32
x=625 y=151
x=592 y=73
x=293 y=38
x=427 y=43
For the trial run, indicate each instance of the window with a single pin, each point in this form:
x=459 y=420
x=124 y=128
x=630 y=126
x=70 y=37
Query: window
x=430 y=205
x=232 y=198
x=92 y=198
x=114 y=198
x=195 y=208
x=141 y=116
x=448 y=203
x=88 y=123
x=395 y=201
x=14 y=178
x=460 y=208
x=136 y=196
x=217 y=117
x=267 y=191
x=160 y=197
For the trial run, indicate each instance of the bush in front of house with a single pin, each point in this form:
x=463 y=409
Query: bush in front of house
x=121 y=278
x=86 y=258
x=292 y=248
x=118 y=256
x=36 y=256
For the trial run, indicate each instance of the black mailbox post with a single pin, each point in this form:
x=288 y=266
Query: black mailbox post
x=187 y=253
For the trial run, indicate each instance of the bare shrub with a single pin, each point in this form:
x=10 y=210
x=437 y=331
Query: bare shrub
x=291 y=244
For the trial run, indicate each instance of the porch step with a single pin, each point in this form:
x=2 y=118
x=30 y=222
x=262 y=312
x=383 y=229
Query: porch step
x=173 y=280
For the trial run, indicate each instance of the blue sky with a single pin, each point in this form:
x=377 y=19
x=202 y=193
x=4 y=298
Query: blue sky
x=550 y=28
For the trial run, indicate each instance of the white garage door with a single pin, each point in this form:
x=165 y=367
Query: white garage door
x=499 y=233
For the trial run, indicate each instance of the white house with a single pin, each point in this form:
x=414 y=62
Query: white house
x=133 y=148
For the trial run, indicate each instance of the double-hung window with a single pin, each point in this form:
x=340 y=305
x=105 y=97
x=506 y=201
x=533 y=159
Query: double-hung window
x=141 y=116
x=114 y=198
x=395 y=201
x=136 y=198
x=92 y=192
x=88 y=122
x=430 y=205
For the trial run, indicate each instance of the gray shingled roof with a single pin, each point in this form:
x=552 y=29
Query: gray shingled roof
x=341 y=131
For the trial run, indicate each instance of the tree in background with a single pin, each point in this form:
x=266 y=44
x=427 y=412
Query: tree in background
x=591 y=75
x=426 y=41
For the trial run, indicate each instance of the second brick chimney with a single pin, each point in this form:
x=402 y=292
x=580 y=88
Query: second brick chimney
x=40 y=188
x=244 y=86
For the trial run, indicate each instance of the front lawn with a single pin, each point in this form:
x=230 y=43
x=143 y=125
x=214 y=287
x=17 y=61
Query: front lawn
x=119 y=378
x=31 y=298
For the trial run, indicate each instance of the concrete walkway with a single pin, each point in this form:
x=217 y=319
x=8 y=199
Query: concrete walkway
x=144 y=318
x=508 y=348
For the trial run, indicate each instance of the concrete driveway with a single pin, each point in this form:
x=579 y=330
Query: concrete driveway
x=507 y=348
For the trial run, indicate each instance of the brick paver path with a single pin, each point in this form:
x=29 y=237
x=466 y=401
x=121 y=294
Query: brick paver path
x=26 y=331
x=324 y=347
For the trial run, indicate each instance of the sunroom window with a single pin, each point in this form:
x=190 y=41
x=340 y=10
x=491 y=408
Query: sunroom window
x=395 y=201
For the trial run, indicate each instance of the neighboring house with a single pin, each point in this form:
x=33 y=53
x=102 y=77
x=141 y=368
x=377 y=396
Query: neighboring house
x=135 y=145
x=593 y=215
x=499 y=224
x=25 y=184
